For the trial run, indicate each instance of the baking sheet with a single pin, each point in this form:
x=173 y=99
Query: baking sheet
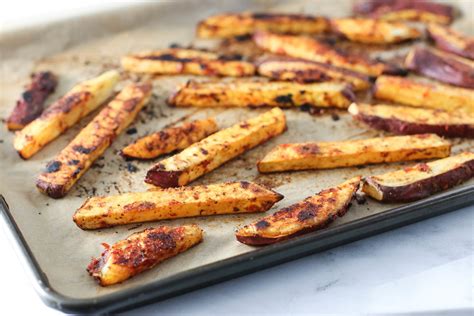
x=63 y=250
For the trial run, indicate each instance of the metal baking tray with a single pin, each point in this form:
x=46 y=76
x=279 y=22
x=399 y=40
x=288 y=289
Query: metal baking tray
x=57 y=252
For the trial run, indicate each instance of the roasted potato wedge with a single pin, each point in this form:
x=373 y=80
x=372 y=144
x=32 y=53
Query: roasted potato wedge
x=142 y=251
x=325 y=155
x=247 y=93
x=444 y=67
x=412 y=10
x=421 y=180
x=160 y=204
x=427 y=95
x=373 y=31
x=239 y=24
x=174 y=61
x=216 y=149
x=407 y=120
x=451 y=41
x=170 y=139
x=64 y=113
x=73 y=161
x=31 y=103
x=313 y=213
x=304 y=71
x=314 y=50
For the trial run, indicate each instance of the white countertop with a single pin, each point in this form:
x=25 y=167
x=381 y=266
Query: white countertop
x=424 y=267
x=427 y=267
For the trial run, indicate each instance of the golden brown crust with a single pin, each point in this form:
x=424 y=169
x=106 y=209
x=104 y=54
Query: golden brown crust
x=216 y=149
x=239 y=24
x=394 y=10
x=171 y=203
x=451 y=41
x=421 y=180
x=407 y=120
x=246 y=93
x=427 y=95
x=73 y=161
x=373 y=31
x=444 y=67
x=313 y=213
x=64 y=113
x=304 y=71
x=31 y=103
x=170 y=139
x=314 y=50
x=324 y=155
x=142 y=251
x=174 y=61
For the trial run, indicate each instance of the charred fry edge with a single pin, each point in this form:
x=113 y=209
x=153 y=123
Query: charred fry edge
x=314 y=50
x=82 y=99
x=247 y=23
x=168 y=61
x=256 y=240
x=160 y=243
x=309 y=151
x=186 y=95
x=159 y=176
x=316 y=72
x=31 y=103
x=185 y=131
x=60 y=175
x=191 y=201
x=420 y=189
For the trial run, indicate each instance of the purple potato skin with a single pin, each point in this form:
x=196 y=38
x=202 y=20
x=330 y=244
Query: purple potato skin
x=442 y=68
x=444 y=44
x=424 y=188
x=399 y=127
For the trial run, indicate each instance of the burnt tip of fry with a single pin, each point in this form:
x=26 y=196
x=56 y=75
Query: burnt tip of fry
x=162 y=178
x=55 y=191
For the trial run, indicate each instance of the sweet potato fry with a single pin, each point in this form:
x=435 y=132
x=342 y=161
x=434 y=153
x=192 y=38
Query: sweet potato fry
x=412 y=10
x=373 y=31
x=407 y=120
x=427 y=95
x=314 y=50
x=174 y=61
x=31 y=103
x=239 y=24
x=216 y=149
x=325 y=155
x=64 y=113
x=421 y=180
x=142 y=251
x=160 y=204
x=451 y=41
x=245 y=93
x=304 y=71
x=170 y=139
x=313 y=213
x=444 y=67
x=73 y=161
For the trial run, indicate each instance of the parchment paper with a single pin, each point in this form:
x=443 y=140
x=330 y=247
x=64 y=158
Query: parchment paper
x=82 y=48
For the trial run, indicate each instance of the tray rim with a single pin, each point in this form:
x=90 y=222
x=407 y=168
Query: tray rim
x=258 y=259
